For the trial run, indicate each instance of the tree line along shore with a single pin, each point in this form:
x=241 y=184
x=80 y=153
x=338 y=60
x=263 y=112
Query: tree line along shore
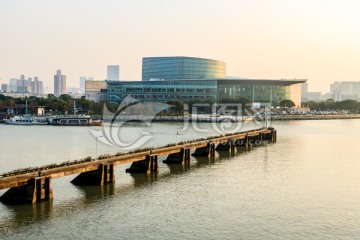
x=65 y=105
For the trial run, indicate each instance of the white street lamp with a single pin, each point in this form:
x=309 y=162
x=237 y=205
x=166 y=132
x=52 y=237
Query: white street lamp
x=96 y=152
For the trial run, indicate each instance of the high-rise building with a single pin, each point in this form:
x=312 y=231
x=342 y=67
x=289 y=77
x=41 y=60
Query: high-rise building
x=82 y=83
x=37 y=87
x=113 y=72
x=41 y=88
x=13 y=84
x=59 y=84
x=5 y=88
x=304 y=91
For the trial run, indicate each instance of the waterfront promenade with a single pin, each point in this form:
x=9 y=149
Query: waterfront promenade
x=209 y=118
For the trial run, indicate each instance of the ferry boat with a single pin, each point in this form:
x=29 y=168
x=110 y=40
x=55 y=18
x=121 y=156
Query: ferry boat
x=74 y=120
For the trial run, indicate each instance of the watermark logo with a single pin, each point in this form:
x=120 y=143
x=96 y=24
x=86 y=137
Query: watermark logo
x=222 y=119
x=129 y=110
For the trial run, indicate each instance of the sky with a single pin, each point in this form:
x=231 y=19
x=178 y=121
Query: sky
x=318 y=40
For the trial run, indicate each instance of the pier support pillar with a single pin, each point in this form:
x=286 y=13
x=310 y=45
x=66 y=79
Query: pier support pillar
x=179 y=158
x=209 y=150
x=254 y=141
x=37 y=190
x=103 y=175
x=229 y=146
x=154 y=165
x=244 y=143
x=273 y=136
x=149 y=165
x=270 y=136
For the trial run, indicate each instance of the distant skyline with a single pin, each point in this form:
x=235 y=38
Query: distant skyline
x=317 y=40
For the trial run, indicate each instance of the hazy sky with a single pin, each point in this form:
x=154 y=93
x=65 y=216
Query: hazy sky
x=314 y=39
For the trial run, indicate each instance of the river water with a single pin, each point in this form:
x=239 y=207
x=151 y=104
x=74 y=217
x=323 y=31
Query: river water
x=306 y=186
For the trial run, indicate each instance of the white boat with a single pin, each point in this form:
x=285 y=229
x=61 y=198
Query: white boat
x=26 y=120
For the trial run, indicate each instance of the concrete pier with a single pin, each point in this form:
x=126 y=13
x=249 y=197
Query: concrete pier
x=149 y=165
x=36 y=190
x=34 y=185
x=228 y=146
x=103 y=175
x=208 y=150
x=243 y=143
x=182 y=157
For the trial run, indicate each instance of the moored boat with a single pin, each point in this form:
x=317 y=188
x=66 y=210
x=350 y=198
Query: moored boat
x=74 y=120
x=26 y=120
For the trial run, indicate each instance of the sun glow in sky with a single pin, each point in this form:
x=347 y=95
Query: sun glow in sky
x=314 y=39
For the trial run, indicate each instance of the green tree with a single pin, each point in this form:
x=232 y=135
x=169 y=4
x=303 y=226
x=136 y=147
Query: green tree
x=178 y=106
x=287 y=103
x=350 y=105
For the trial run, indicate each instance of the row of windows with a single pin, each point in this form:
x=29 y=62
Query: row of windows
x=177 y=70
x=180 y=59
x=168 y=90
x=116 y=98
x=171 y=68
x=163 y=90
x=183 y=65
x=164 y=85
x=256 y=93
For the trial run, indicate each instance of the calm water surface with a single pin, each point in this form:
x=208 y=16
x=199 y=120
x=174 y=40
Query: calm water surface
x=306 y=186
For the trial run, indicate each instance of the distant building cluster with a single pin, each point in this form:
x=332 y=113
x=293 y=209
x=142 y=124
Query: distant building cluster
x=188 y=79
x=339 y=91
x=307 y=96
x=33 y=87
x=345 y=90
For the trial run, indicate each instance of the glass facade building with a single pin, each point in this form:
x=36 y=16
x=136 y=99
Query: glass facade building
x=210 y=90
x=180 y=68
x=188 y=79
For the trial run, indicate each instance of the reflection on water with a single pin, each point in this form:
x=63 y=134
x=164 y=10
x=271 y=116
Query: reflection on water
x=304 y=186
x=24 y=215
x=142 y=180
x=95 y=193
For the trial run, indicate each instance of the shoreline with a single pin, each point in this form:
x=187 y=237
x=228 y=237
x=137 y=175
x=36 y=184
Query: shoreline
x=285 y=117
x=251 y=118
x=314 y=117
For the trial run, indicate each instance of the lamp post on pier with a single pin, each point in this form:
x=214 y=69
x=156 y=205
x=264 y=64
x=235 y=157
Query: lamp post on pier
x=96 y=151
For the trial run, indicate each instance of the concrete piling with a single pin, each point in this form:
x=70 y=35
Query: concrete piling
x=36 y=190
x=209 y=150
x=148 y=165
x=182 y=157
x=103 y=175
